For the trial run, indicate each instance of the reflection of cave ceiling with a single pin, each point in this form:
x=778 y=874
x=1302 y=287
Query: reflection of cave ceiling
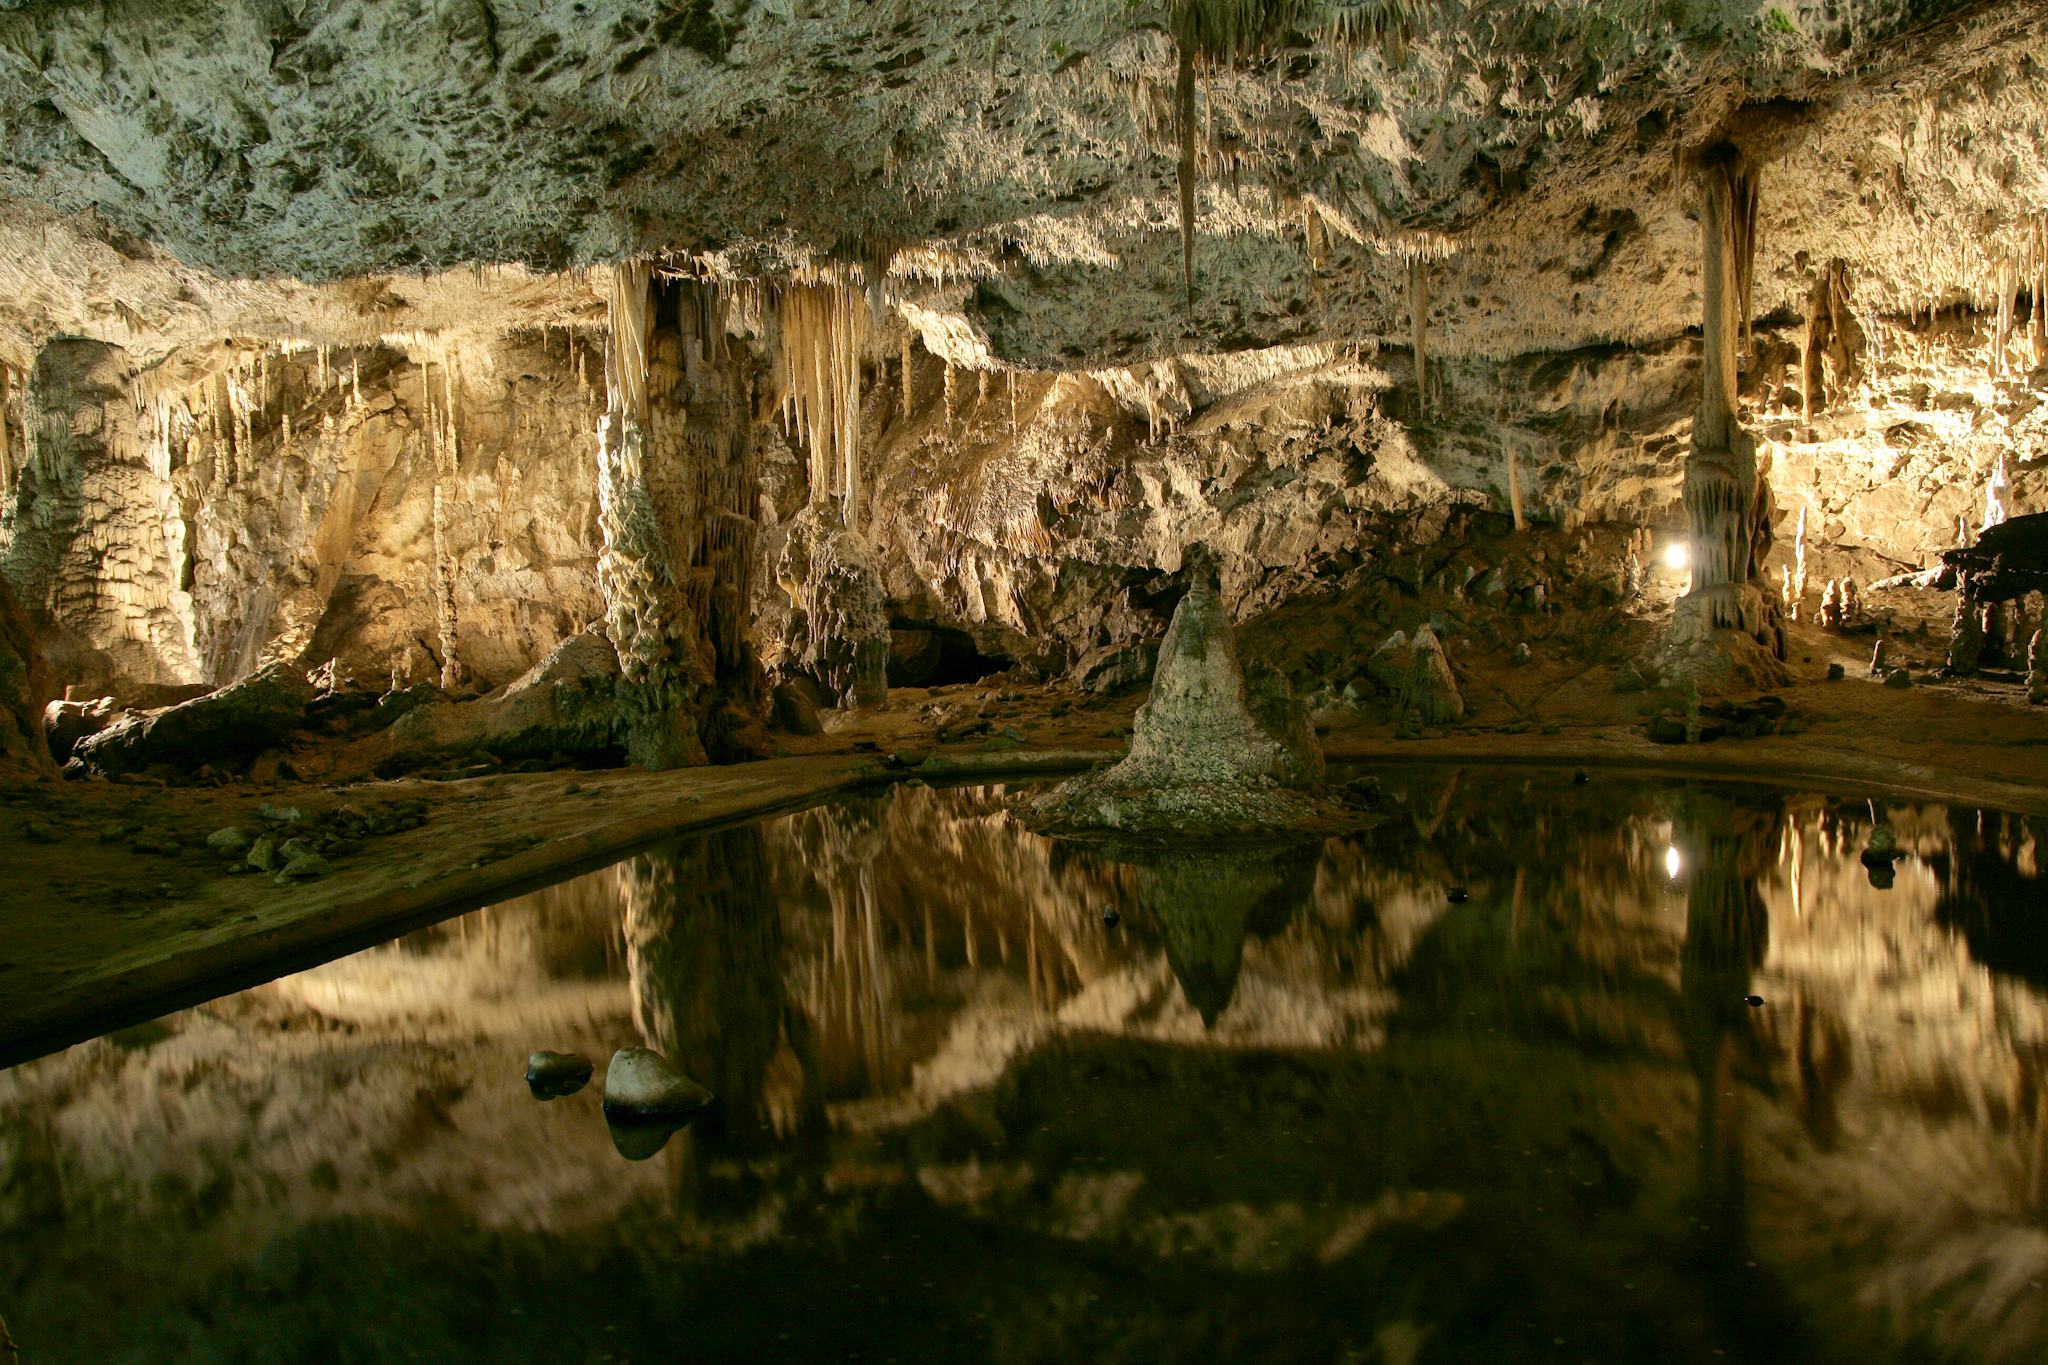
x=153 y=150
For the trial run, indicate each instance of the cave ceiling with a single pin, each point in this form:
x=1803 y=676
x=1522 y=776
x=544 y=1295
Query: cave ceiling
x=338 y=171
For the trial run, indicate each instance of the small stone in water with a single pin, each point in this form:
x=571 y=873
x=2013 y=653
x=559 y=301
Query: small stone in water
x=640 y=1085
x=1459 y=895
x=1581 y=778
x=552 y=1075
x=1110 y=918
x=1753 y=1001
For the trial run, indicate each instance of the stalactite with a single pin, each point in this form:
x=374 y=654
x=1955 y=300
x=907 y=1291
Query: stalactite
x=1418 y=313
x=1966 y=641
x=2002 y=319
x=824 y=338
x=2038 y=285
x=6 y=435
x=909 y=372
x=1515 y=489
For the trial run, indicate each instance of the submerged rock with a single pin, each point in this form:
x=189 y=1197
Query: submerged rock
x=641 y=1086
x=639 y=1141
x=553 y=1075
x=304 y=867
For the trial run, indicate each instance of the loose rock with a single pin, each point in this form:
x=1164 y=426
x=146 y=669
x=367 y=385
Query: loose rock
x=553 y=1075
x=641 y=1085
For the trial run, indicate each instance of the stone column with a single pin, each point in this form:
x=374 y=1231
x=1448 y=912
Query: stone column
x=676 y=495
x=1726 y=629
x=665 y=675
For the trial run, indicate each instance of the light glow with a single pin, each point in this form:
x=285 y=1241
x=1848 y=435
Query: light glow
x=1672 y=862
x=1676 y=556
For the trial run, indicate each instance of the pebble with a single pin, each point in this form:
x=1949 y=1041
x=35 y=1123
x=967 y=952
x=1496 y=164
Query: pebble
x=1111 y=918
x=1458 y=895
x=230 y=840
x=552 y=1075
x=640 y=1084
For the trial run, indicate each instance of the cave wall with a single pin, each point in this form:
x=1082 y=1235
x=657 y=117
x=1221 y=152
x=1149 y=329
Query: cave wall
x=1047 y=515
x=160 y=533
x=231 y=508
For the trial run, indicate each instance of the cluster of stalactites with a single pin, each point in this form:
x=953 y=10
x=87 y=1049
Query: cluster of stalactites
x=825 y=331
x=211 y=426
x=2026 y=268
x=1220 y=32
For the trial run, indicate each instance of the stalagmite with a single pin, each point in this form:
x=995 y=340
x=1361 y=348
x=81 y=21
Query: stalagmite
x=1831 y=605
x=1799 y=565
x=1995 y=489
x=2037 y=669
x=1966 y=640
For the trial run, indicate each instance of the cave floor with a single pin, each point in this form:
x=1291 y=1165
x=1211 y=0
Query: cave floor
x=117 y=910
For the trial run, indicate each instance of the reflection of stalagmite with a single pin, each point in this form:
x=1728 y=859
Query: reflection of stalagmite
x=1206 y=903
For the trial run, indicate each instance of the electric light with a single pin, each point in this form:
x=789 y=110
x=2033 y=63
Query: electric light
x=1676 y=556
x=1672 y=862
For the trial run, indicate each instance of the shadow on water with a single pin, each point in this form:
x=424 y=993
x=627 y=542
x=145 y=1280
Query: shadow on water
x=1673 y=1080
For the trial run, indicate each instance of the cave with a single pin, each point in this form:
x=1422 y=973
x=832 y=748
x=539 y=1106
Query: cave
x=1319 y=679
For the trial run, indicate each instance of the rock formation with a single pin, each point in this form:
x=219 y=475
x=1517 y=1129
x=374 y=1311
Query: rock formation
x=1201 y=762
x=1727 y=626
x=24 y=691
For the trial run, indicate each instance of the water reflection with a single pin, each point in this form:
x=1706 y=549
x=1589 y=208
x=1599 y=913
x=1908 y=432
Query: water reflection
x=1293 y=1104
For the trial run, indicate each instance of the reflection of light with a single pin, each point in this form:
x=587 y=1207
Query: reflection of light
x=1672 y=862
x=1675 y=555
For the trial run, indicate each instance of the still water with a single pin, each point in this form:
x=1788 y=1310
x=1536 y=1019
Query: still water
x=1680 y=1077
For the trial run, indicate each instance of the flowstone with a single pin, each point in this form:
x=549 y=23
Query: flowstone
x=1202 y=762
